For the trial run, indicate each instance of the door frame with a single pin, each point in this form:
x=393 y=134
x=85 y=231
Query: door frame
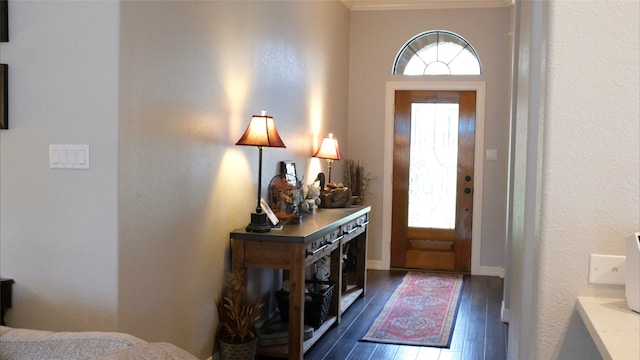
x=478 y=163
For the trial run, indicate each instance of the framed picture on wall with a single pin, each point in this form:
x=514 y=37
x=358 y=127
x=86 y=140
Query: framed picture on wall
x=4 y=21
x=288 y=169
x=4 y=96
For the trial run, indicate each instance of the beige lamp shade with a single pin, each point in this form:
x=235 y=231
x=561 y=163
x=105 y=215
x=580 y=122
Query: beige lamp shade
x=329 y=149
x=261 y=132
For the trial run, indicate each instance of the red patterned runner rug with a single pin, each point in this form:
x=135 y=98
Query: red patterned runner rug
x=420 y=312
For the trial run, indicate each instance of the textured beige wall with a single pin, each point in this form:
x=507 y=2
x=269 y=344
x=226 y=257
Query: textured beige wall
x=191 y=76
x=161 y=91
x=376 y=38
x=591 y=168
x=577 y=167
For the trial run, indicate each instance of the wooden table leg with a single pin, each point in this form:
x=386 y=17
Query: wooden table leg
x=335 y=275
x=362 y=261
x=296 y=302
x=237 y=255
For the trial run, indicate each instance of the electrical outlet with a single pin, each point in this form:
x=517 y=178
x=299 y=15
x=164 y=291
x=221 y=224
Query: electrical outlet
x=606 y=269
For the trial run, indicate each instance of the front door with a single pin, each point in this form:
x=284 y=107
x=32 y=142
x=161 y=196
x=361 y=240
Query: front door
x=432 y=205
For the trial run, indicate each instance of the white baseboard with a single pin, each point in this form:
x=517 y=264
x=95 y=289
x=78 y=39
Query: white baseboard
x=504 y=313
x=376 y=265
x=497 y=271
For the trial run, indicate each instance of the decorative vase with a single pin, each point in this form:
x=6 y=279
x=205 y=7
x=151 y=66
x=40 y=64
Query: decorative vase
x=241 y=351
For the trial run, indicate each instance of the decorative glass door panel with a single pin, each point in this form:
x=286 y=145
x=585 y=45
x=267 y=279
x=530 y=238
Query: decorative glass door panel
x=433 y=166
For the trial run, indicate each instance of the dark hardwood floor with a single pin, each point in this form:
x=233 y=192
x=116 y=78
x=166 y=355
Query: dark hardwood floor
x=478 y=332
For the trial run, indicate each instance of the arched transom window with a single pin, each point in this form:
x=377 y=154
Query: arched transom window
x=437 y=52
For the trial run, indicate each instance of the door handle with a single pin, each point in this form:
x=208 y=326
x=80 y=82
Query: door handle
x=467 y=178
x=467 y=190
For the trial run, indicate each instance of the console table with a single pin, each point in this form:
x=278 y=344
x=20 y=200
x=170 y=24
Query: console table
x=295 y=247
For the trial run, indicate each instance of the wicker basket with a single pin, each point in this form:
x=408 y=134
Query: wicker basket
x=316 y=309
x=242 y=351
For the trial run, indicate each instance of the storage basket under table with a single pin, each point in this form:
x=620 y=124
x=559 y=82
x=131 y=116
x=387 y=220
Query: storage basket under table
x=316 y=309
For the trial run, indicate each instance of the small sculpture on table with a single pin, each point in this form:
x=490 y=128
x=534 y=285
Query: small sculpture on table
x=333 y=195
x=285 y=199
x=312 y=197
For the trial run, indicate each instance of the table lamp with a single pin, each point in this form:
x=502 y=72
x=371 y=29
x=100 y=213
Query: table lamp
x=329 y=150
x=261 y=132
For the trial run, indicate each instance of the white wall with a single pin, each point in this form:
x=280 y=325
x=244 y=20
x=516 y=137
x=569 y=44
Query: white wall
x=525 y=167
x=376 y=38
x=58 y=228
x=584 y=198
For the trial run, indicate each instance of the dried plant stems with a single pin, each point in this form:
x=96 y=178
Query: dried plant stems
x=356 y=179
x=238 y=315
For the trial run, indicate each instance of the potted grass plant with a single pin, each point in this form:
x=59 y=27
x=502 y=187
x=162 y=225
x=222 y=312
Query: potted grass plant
x=238 y=315
x=357 y=180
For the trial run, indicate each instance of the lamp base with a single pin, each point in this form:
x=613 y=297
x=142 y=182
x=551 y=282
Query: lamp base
x=258 y=223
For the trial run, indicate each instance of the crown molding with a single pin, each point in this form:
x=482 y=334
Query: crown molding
x=369 y=5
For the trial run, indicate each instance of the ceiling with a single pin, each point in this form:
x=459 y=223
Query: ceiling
x=361 y=5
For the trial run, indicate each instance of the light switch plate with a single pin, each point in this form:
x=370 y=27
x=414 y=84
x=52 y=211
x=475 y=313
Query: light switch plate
x=606 y=269
x=68 y=156
x=492 y=154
